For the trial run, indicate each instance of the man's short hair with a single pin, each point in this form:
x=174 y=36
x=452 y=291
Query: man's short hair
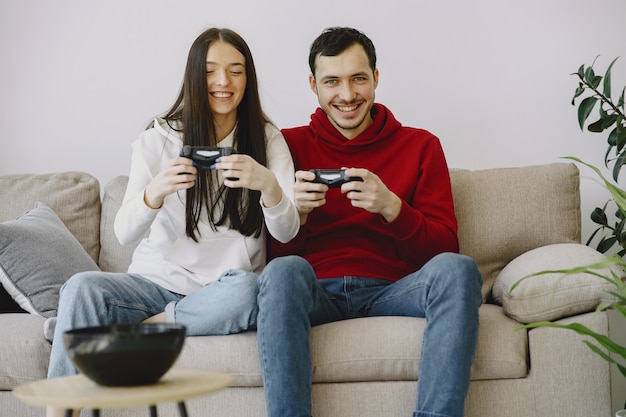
x=334 y=40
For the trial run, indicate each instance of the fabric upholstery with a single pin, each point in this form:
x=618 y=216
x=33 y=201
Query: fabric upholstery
x=114 y=257
x=393 y=350
x=37 y=255
x=75 y=196
x=555 y=295
x=505 y=212
x=368 y=367
x=22 y=337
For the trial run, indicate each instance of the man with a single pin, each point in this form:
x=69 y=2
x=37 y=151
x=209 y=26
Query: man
x=384 y=244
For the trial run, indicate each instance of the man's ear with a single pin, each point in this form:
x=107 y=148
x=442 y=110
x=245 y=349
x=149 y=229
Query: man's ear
x=313 y=84
x=375 y=78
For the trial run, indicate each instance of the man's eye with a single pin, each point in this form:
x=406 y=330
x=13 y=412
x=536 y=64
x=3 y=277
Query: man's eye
x=360 y=79
x=331 y=82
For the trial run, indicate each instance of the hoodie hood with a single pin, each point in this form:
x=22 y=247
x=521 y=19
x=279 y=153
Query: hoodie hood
x=384 y=126
x=170 y=132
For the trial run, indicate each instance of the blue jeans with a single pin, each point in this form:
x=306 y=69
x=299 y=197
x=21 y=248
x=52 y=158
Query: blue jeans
x=97 y=298
x=446 y=291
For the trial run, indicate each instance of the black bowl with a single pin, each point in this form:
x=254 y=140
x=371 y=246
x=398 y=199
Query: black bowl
x=125 y=354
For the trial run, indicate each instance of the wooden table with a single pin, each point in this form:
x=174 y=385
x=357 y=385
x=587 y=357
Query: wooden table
x=77 y=391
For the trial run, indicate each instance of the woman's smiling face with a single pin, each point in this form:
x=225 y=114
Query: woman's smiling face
x=226 y=81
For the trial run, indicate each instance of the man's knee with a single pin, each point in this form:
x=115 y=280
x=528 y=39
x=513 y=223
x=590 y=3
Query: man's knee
x=286 y=274
x=458 y=272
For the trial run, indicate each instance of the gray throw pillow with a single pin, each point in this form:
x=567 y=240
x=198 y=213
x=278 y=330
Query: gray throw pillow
x=37 y=255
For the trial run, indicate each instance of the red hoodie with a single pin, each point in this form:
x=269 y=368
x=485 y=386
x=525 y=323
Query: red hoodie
x=340 y=240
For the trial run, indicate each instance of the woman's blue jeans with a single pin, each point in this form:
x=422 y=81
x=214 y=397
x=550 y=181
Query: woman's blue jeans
x=97 y=298
x=446 y=291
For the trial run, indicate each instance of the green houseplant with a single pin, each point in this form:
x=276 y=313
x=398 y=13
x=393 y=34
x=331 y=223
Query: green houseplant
x=595 y=91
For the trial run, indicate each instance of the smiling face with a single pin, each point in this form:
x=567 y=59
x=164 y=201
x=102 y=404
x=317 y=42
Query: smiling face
x=226 y=82
x=345 y=86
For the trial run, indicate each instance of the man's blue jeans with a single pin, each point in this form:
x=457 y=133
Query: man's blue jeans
x=96 y=298
x=446 y=291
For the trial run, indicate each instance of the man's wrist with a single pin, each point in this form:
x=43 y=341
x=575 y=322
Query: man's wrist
x=392 y=210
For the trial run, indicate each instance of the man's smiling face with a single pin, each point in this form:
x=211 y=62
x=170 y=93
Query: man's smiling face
x=345 y=87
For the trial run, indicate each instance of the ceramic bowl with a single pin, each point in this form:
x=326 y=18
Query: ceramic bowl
x=125 y=354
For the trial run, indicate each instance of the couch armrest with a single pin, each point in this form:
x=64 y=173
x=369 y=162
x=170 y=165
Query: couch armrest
x=552 y=296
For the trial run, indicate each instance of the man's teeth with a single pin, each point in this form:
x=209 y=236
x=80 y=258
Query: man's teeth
x=347 y=108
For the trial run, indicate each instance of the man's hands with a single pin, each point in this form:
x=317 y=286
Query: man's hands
x=371 y=194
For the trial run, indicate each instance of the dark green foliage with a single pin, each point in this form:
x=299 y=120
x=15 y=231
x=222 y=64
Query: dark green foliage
x=610 y=118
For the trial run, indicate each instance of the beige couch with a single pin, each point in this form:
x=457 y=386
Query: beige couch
x=512 y=221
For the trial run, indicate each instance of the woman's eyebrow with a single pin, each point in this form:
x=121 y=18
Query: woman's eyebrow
x=240 y=64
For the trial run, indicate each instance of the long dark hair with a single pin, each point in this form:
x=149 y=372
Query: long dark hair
x=238 y=208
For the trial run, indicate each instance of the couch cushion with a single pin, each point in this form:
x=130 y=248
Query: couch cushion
x=505 y=212
x=366 y=349
x=552 y=296
x=37 y=255
x=113 y=256
x=74 y=196
x=24 y=353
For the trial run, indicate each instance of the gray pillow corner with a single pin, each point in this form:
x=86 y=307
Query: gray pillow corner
x=37 y=255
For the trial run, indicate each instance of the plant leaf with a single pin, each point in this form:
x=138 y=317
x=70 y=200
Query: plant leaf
x=619 y=163
x=598 y=216
x=606 y=90
x=589 y=73
x=584 y=110
x=579 y=90
x=595 y=127
x=605 y=244
x=603 y=340
x=612 y=138
x=619 y=195
x=595 y=232
x=595 y=81
x=590 y=269
x=606 y=120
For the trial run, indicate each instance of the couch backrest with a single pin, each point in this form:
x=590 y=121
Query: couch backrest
x=74 y=196
x=502 y=213
x=505 y=212
x=113 y=256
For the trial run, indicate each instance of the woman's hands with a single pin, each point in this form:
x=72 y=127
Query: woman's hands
x=178 y=174
x=242 y=171
x=239 y=171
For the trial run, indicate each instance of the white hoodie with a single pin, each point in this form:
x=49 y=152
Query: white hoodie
x=167 y=256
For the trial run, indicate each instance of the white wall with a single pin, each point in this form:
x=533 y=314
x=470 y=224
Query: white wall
x=80 y=79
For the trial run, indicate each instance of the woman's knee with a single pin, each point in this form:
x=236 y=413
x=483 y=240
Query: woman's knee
x=82 y=284
x=235 y=283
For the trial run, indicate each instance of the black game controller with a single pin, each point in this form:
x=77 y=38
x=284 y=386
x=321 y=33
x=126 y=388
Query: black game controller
x=332 y=177
x=205 y=156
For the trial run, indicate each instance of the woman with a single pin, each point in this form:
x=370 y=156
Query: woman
x=201 y=232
